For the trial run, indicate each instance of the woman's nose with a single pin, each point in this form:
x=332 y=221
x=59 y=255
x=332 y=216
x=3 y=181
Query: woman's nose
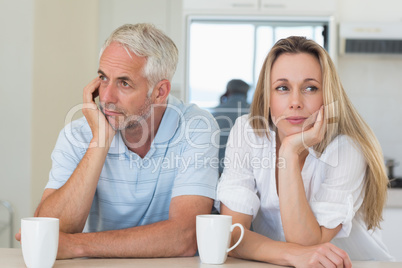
x=296 y=101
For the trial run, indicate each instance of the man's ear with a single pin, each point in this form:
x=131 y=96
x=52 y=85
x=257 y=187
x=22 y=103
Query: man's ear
x=162 y=91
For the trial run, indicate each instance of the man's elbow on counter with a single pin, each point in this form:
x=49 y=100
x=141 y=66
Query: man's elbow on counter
x=190 y=251
x=188 y=246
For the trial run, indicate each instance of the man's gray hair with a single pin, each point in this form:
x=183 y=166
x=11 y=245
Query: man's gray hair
x=145 y=40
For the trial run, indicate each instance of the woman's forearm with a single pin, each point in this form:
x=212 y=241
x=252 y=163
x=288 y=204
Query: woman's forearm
x=260 y=248
x=299 y=223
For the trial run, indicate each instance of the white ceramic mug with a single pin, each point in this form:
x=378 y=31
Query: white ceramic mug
x=39 y=241
x=213 y=237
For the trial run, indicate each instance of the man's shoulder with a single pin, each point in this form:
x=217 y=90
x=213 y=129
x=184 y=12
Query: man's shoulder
x=196 y=117
x=78 y=126
x=191 y=111
x=77 y=132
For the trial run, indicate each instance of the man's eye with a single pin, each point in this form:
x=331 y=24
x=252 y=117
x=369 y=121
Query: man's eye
x=102 y=77
x=124 y=84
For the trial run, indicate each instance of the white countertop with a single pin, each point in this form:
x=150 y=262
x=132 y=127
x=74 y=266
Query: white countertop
x=12 y=257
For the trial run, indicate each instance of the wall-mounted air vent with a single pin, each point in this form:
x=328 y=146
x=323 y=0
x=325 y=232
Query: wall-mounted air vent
x=370 y=38
x=373 y=46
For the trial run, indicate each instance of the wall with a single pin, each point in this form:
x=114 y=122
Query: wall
x=374 y=82
x=391 y=227
x=372 y=10
x=48 y=53
x=65 y=61
x=373 y=85
x=16 y=46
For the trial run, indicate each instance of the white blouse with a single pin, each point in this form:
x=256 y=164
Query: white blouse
x=333 y=184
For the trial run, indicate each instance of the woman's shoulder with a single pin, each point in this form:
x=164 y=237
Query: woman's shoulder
x=244 y=129
x=344 y=142
x=341 y=147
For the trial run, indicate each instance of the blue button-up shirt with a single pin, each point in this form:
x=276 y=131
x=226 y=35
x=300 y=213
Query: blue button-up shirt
x=134 y=191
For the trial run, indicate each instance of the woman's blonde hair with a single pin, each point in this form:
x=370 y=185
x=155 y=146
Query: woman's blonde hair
x=342 y=119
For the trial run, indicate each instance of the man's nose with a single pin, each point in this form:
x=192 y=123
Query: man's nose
x=107 y=94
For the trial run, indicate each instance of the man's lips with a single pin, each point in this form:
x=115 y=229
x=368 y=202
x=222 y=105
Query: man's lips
x=295 y=120
x=111 y=113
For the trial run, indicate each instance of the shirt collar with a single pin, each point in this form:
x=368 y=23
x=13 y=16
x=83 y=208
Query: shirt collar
x=170 y=120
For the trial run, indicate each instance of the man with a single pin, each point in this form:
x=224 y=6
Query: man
x=232 y=105
x=137 y=171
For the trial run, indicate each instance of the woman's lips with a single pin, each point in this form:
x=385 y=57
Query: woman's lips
x=296 y=120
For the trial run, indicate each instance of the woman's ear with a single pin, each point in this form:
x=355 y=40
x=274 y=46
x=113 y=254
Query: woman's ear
x=162 y=91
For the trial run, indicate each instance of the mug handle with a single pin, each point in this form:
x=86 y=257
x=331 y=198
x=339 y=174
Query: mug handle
x=241 y=235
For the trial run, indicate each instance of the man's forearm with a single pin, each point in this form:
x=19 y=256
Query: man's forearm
x=162 y=239
x=72 y=202
x=173 y=237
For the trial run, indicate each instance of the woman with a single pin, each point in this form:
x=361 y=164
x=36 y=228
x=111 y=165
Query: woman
x=303 y=166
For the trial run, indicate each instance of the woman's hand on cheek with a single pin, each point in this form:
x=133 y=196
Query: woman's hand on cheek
x=312 y=133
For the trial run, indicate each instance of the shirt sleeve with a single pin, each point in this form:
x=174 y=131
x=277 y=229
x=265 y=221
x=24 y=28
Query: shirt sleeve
x=69 y=149
x=237 y=187
x=340 y=195
x=197 y=172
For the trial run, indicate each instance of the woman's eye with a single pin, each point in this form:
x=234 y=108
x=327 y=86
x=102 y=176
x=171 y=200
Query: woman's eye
x=281 y=88
x=311 y=89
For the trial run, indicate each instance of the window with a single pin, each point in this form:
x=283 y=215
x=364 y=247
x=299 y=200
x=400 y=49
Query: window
x=225 y=49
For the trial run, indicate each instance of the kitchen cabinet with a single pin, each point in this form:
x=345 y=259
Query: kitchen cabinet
x=274 y=7
x=297 y=6
x=391 y=226
x=221 y=4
